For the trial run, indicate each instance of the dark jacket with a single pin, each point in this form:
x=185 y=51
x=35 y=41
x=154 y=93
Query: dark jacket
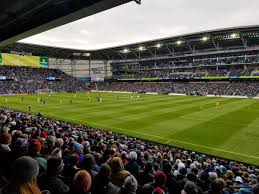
x=55 y=185
x=133 y=167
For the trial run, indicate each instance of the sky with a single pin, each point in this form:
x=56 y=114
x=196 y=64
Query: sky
x=130 y=23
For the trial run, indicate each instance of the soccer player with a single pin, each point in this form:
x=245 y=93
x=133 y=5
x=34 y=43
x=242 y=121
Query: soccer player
x=29 y=108
x=117 y=97
x=22 y=98
x=131 y=97
x=88 y=98
x=70 y=101
x=6 y=100
x=44 y=102
x=38 y=100
x=49 y=96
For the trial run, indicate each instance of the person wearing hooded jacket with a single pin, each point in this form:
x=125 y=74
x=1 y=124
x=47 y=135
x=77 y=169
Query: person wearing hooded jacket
x=102 y=183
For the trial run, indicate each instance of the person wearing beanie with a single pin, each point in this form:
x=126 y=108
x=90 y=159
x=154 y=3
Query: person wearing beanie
x=71 y=168
x=5 y=142
x=159 y=181
x=132 y=165
x=102 y=183
x=53 y=183
x=118 y=173
x=89 y=164
x=81 y=183
x=158 y=190
x=23 y=179
x=34 y=152
x=190 y=188
x=130 y=186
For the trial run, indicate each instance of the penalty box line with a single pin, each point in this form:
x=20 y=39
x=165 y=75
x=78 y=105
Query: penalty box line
x=160 y=137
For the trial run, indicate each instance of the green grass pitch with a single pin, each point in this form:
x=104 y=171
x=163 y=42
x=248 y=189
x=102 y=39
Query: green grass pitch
x=230 y=130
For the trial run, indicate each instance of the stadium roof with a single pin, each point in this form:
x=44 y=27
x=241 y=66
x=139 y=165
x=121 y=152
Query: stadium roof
x=23 y=18
x=246 y=37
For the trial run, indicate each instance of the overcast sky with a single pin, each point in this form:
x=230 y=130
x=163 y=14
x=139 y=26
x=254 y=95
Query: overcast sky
x=153 y=19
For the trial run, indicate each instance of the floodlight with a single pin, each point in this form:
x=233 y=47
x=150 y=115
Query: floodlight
x=125 y=50
x=234 y=35
x=87 y=54
x=141 y=48
x=178 y=42
x=158 y=45
x=205 y=38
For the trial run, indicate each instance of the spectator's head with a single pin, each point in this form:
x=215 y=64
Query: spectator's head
x=54 y=166
x=35 y=146
x=217 y=185
x=5 y=138
x=160 y=178
x=116 y=164
x=89 y=162
x=190 y=188
x=82 y=182
x=105 y=172
x=24 y=174
x=133 y=155
x=130 y=184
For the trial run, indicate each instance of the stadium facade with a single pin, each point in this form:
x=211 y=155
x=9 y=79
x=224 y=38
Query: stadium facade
x=217 y=49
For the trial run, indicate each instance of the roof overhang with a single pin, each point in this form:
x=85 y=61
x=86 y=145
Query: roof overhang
x=20 y=19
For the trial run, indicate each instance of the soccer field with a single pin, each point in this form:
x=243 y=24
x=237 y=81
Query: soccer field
x=230 y=130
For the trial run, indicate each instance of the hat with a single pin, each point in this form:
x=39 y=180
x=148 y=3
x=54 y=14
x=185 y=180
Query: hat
x=131 y=184
x=133 y=155
x=213 y=175
x=181 y=165
x=59 y=142
x=239 y=179
x=54 y=165
x=86 y=144
x=158 y=190
x=89 y=161
x=77 y=147
x=6 y=138
x=43 y=134
x=190 y=188
x=35 y=146
x=21 y=144
x=82 y=181
x=24 y=169
x=160 y=178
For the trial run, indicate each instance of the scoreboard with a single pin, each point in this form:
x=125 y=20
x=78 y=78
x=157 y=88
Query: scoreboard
x=23 y=60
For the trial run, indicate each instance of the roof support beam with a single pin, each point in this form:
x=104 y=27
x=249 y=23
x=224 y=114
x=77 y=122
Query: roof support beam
x=244 y=41
x=169 y=49
x=151 y=52
x=190 y=47
x=216 y=45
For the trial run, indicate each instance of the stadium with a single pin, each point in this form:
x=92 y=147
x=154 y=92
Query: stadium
x=171 y=115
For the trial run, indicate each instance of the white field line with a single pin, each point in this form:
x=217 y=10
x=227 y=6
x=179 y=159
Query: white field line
x=160 y=137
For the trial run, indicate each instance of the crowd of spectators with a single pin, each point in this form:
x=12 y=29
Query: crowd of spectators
x=187 y=73
x=200 y=88
x=42 y=155
x=29 y=80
